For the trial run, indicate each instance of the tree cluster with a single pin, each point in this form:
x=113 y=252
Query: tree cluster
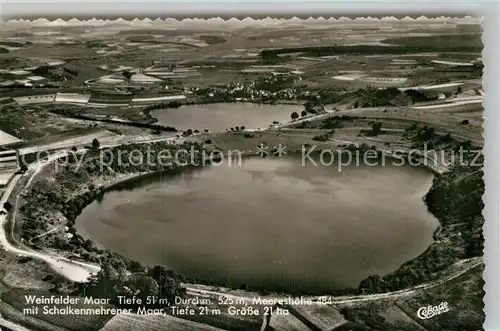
x=54 y=196
x=116 y=278
x=455 y=198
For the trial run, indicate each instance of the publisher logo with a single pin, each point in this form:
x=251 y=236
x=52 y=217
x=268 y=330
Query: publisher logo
x=431 y=311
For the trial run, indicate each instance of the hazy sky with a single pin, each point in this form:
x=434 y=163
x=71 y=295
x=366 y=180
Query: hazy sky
x=114 y=8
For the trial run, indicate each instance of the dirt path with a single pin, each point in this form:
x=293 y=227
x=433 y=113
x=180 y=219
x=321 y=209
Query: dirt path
x=57 y=228
x=471 y=263
x=72 y=270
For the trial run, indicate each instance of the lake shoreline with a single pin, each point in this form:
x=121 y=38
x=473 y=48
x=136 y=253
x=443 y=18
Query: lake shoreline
x=222 y=116
x=110 y=184
x=124 y=183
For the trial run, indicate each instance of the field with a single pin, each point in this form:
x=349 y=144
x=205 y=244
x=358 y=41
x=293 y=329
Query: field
x=32 y=123
x=85 y=71
x=441 y=42
x=154 y=323
x=6 y=138
x=16 y=298
x=19 y=272
x=289 y=323
x=323 y=316
x=464 y=295
x=110 y=98
x=64 y=52
x=54 y=139
x=12 y=314
x=77 y=140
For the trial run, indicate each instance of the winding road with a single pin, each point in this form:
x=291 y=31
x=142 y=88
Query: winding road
x=467 y=265
x=72 y=270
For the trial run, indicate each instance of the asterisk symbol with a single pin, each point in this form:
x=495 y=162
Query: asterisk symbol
x=279 y=150
x=262 y=150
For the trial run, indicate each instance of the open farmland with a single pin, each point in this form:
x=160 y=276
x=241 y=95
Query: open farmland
x=6 y=138
x=16 y=298
x=78 y=138
x=441 y=42
x=154 y=323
